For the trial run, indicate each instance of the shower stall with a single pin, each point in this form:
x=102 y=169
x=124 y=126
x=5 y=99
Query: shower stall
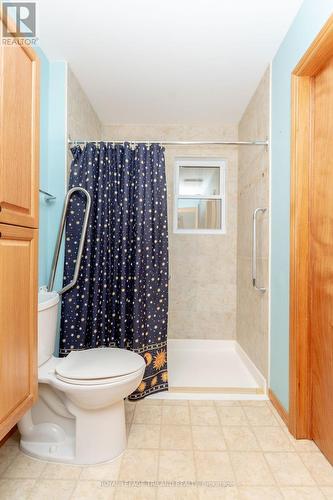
x=218 y=225
x=218 y=336
x=218 y=289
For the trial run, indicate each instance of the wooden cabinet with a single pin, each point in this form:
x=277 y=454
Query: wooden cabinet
x=19 y=168
x=18 y=323
x=19 y=136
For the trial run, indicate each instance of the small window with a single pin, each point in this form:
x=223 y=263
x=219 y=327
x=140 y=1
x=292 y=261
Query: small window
x=199 y=196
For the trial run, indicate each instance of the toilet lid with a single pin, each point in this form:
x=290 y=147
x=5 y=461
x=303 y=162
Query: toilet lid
x=101 y=363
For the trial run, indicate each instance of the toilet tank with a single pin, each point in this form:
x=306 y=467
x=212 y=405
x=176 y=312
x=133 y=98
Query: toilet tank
x=48 y=304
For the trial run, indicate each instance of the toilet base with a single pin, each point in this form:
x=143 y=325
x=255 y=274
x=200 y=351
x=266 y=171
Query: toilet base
x=99 y=436
x=63 y=452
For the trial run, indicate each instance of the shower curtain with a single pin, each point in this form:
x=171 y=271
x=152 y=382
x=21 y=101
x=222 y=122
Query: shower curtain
x=121 y=297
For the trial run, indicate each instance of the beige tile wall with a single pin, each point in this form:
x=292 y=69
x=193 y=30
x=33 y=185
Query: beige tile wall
x=82 y=120
x=203 y=268
x=253 y=192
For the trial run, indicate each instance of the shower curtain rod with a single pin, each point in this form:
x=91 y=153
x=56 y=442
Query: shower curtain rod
x=177 y=143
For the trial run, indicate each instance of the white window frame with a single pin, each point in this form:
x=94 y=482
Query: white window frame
x=200 y=162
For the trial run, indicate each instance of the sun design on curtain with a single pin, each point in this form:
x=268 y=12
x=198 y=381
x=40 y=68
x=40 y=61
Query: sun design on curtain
x=121 y=297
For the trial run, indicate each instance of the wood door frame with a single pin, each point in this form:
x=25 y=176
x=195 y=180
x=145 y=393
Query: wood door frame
x=315 y=58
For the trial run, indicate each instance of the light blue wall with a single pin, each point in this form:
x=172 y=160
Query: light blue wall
x=43 y=174
x=52 y=160
x=310 y=19
x=57 y=143
x=52 y=178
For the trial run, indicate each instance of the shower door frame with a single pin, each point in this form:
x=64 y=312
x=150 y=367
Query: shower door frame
x=315 y=58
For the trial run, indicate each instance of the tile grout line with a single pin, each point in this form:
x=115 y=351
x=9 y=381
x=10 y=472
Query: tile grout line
x=263 y=453
x=285 y=429
x=251 y=429
x=255 y=436
x=127 y=438
x=307 y=468
x=11 y=461
x=30 y=497
x=193 y=454
x=159 y=451
x=260 y=448
x=227 y=449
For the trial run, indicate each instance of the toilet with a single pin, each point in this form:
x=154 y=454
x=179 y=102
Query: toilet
x=79 y=417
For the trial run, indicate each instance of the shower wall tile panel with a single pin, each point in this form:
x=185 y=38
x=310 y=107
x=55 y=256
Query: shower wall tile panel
x=82 y=120
x=253 y=192
x=202 y=267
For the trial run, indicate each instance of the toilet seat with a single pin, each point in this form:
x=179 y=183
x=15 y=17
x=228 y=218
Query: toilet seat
x=98 y=366
x=95 y=382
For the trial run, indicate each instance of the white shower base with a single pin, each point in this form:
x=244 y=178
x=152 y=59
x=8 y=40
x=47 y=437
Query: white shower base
x=211 y=369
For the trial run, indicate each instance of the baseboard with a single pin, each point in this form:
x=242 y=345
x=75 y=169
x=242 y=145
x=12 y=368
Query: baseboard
x=278 y=406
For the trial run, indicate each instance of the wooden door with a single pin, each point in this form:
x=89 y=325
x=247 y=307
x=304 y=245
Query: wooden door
x=18 y=323
x=311 y=265
x=321 y=261
x=19 y=136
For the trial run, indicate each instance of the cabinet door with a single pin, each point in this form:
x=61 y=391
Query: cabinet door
x=19 y=136
x=18 y=323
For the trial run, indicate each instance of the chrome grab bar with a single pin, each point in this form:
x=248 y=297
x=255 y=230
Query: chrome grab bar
x=254 y=250
x=59 y=239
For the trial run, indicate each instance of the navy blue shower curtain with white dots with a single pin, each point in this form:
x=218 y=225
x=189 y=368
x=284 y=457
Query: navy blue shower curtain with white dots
x=121 y=297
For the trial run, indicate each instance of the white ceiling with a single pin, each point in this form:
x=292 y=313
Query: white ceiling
x=166 y=61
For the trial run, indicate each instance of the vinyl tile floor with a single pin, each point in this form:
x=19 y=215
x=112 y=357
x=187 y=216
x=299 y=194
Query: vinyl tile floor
x=183 y=450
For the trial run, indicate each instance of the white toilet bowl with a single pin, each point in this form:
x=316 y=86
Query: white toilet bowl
x=79 y=417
